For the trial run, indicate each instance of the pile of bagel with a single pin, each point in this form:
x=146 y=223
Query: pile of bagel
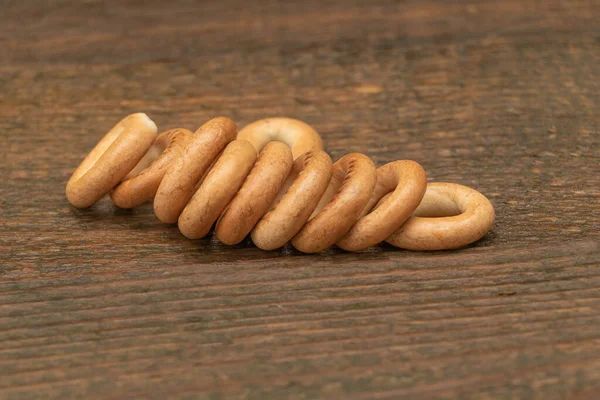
x=273 y=181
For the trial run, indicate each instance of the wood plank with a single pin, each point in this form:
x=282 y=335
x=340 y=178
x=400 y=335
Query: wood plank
x=108 y=303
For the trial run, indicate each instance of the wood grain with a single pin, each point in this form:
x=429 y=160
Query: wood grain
x=502 y=96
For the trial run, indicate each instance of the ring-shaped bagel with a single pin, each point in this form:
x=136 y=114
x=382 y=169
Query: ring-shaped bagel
x=257 y=193
x=217 y=189
x=300 y=136
x=313 y=173
x=406 y=182
x=111 y=160
x=138 y=188
x=450 y=216
x=349 y=191
x=181 y=179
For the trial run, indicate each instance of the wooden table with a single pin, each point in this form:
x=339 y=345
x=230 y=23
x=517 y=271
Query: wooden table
x=503 y=96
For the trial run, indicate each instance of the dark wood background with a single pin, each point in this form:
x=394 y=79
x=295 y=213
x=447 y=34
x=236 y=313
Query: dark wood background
x=503 y=96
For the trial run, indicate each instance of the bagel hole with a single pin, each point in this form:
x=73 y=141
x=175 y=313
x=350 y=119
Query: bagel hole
x=153 y=153
x=431 y=206
x=437 y=207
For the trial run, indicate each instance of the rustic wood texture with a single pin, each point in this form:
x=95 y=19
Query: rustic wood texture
x=503 y=96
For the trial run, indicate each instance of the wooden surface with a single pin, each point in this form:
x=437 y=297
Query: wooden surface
x=503 y=96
